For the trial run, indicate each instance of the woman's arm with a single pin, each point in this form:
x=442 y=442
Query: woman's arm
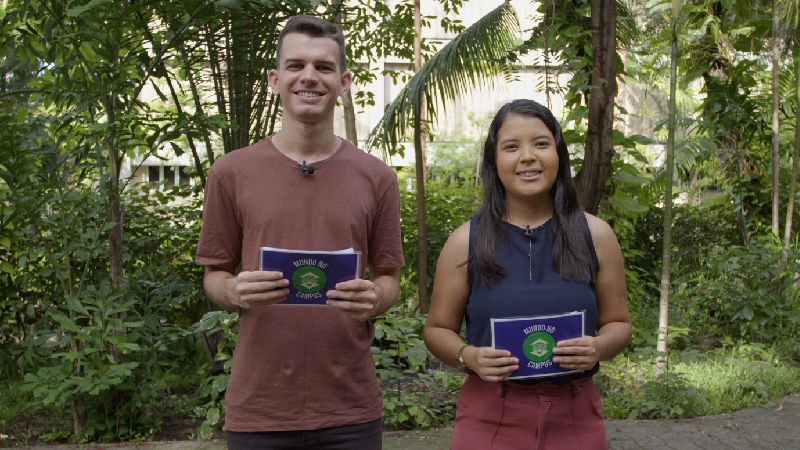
x=613 y=318
x=451 y=291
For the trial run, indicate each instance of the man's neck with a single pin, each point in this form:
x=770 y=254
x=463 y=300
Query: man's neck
x=310 y=143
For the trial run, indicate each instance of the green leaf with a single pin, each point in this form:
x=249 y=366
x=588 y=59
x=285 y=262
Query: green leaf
x=131 y=346
x=205 y=431
x=66 y=323
x=89 y=54
x=78 y=10
x=627 y=204
x=192 y=5
x=176 y=148
x=76 y=305
x=7 y=267
x=213 y=416
x=748 y=312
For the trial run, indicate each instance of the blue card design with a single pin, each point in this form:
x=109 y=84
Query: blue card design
x=311 y=274
x=532 y=339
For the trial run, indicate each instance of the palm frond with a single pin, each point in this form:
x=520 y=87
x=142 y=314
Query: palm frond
x=474 y=58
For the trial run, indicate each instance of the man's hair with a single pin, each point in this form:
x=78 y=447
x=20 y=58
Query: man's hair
x=314 y=27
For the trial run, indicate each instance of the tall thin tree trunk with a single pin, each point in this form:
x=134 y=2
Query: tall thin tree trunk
x=776 y=141
x=666 y=257
x=114 y=215
x=197 y=162
x=419 y=153
x=787 y=232
x=198 y=106
x=351 y=133
x=591 y=180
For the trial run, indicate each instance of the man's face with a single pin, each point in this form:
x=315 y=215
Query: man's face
x=308 y=78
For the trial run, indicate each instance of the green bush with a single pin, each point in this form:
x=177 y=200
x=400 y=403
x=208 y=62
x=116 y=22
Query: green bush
x=106 y=358
x=448 y=207
x=745 y=292
x=224 y=325
x=731 y=378
x=415 y=395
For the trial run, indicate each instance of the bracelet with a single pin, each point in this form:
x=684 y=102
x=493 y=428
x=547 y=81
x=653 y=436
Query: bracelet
x=460 y=363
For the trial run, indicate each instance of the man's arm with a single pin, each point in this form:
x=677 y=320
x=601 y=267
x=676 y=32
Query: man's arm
x=245 y=290
x=363 y=299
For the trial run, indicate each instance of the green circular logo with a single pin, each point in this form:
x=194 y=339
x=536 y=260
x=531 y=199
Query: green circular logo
x=539 y=347
x=309 y=279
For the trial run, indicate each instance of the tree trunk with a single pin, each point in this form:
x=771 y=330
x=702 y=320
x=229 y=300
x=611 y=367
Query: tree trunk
x=351 y=133
x=787 y=232
x=776 y=141
x=666 y=257
x=591 y=180
x=419 y=153
x=198 y=106
x=114 y=215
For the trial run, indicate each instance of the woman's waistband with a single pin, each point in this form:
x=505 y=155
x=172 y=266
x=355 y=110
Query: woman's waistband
x=545 y=391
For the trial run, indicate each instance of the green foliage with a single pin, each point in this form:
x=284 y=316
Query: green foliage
x=111 y=366
x=448 y=207
x=731 y=378
x=414 y=395
x=212 y=391
x=105 y=357
x=747 y=292
x=474 y=58
x=664 y=397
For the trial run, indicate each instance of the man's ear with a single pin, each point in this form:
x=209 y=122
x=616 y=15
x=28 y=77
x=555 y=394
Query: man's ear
x=272 y=78
x=347 y=82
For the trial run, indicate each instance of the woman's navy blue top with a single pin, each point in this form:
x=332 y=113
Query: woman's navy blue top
x=531 y=287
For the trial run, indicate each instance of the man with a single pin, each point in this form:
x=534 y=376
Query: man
x=302 y=377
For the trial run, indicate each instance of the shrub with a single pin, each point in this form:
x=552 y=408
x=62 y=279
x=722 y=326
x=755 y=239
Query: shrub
x=448 y=207
x=415 y=394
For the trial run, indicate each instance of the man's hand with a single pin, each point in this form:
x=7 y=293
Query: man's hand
x=355 y=298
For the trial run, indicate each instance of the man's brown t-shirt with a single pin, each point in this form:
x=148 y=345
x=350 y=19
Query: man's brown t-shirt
x=300 y=367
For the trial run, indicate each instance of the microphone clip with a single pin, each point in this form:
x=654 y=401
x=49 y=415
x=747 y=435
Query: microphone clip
x=307 y=168
x=530 y=233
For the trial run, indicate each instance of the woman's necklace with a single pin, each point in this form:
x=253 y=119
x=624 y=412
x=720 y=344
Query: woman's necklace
x=531 y=237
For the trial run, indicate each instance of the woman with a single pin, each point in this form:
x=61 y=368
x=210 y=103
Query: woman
x=531 y=251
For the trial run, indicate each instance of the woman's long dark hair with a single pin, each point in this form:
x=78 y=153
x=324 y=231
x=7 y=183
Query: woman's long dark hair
x=573 y=257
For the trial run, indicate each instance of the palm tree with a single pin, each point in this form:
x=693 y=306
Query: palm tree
x=476 y=57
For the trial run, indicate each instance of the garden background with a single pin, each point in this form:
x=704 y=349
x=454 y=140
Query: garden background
x=106 y=335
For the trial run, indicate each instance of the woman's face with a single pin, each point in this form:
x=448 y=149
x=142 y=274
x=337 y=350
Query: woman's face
x=527 y=160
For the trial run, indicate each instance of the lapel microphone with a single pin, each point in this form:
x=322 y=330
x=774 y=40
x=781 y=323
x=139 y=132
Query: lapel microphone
x=307 y=169
x=530 y=233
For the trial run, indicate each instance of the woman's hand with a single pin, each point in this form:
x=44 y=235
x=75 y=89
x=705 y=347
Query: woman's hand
x=577 y=354
x=490 y=364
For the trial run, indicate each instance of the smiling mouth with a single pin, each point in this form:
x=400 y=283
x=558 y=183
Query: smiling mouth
x=529 y=173
x=308 y=94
